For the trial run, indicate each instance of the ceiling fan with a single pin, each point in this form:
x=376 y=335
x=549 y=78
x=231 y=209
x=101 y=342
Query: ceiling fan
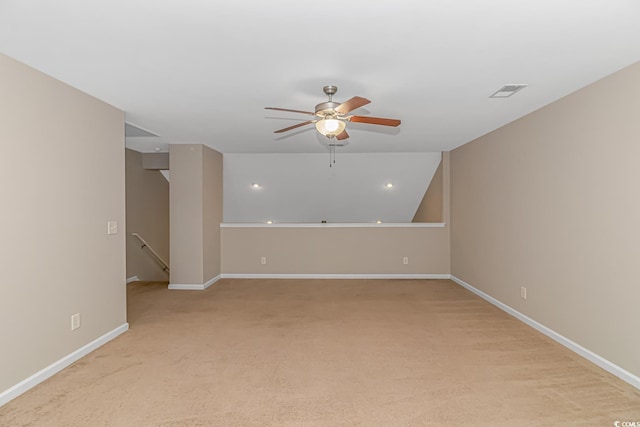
x=332 y=116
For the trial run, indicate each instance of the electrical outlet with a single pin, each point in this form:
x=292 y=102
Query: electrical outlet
x=405 y=260
x=523 y=292
x=263 y=260
x=75 y=321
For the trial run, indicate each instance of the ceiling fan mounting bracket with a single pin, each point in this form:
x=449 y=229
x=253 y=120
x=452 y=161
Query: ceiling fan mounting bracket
x=330 y=90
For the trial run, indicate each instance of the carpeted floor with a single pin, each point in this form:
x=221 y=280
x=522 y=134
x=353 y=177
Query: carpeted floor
x=325 y=353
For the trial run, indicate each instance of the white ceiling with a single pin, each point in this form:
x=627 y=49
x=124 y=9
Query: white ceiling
x=199 y=71
x=202 y=71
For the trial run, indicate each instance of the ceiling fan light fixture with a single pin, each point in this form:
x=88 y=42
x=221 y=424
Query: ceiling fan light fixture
x=330 y=127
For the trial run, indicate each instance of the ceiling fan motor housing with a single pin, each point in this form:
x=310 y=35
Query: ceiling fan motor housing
x=326 y=108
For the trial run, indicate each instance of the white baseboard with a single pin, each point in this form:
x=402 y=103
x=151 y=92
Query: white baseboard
x=46 y=373
x=605 y=364
x=334 y=276
x=133 y=279
x=194 y=287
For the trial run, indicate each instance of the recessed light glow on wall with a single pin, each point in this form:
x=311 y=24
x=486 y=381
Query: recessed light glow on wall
x=269 y=222
x=378 y=222
x=388 y=185
x=256 y=186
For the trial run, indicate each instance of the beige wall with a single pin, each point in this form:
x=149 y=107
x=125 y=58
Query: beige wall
x=185 y=201
x=369 y=250
x=147 y=215
x=550 y=202
x=430 y=209
x=195 y=213
x=212 y=211
x=62 y=178
x=159 y=161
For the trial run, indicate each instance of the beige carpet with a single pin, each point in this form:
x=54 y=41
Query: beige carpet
x=325 y=353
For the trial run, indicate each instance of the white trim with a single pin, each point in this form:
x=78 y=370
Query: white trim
x=46 y=373
x=333 y=276
x=133 y=279
x=334 y=225
x=605 y=364
x=195 y=287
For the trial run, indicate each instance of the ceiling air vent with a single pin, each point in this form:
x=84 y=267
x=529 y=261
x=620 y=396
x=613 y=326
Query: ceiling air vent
x=135 y=131
x=507 y=90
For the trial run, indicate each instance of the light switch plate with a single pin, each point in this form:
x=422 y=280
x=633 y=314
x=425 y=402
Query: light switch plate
x=112 y=227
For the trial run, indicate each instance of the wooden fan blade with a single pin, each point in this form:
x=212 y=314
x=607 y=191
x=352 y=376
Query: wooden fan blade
x=375 y=120
x=342 y=135
x=292 y=111
x=352 y=104
x=294 y=126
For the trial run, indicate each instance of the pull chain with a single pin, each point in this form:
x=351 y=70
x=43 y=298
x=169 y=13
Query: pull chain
x=332 y=154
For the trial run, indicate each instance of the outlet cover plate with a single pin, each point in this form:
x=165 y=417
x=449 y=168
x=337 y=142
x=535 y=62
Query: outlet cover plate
x=75 y=321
